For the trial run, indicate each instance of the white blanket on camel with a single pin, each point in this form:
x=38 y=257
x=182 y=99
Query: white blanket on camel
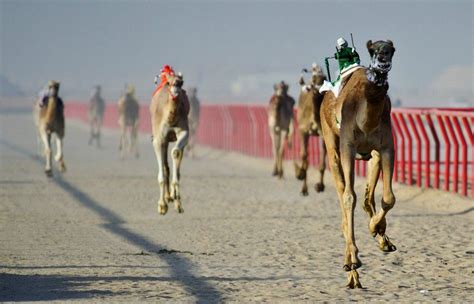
x=338 y=85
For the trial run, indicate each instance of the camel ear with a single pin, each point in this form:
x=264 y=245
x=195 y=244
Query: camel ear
x=391 y=44
x=369 y=48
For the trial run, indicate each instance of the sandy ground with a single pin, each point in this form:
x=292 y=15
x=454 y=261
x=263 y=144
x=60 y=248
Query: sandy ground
x=93 y=233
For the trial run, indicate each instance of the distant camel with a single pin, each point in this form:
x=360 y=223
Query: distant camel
x=96 y=114
x=309 y=124
x=280 y=123
x=48 y=113
x=356 y=125
x=169 y=109
x=128 y=109
x=193 y=118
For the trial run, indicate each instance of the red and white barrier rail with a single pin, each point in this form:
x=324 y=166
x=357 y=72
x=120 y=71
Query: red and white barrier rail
x=434 y=146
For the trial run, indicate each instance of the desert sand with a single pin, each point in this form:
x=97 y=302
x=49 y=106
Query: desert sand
x=94 y=234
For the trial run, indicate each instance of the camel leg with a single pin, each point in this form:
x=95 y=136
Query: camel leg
x=160 y=156
x=177 y=155
x=373 y=173
x=348 y=203
x=322 y=167
x=281 y=150
x=97 y=132
x=134 y=139
x=378 y=223
x=39 y=148
x=275 y=144
x=59 y=154
x=46 y=138
x=166 y=168
x=121 y=142
x=301 y=171
x=91 y=137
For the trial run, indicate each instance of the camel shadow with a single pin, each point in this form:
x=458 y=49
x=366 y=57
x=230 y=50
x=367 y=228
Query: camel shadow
x=180 y=267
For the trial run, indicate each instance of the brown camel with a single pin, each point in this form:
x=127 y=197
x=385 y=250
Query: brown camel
x=193 y=119
x=280 y=123
x=309 y=124
x=169 y=109
x=48 y=114
x=356 y=125
x=128 y=109
x=96 y=114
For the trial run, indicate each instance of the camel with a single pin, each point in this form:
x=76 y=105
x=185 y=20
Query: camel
x=96 y=114
x=48 y=113
x=169 y=109
x=280 y=123
x=356 y=125
x=128 y=109
x=193 y=119
x=309 y=124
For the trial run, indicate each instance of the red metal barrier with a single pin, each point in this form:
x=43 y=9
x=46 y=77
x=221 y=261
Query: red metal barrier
x=416 y=132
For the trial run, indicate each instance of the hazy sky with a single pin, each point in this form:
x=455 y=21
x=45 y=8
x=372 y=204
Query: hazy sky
x=232 y=50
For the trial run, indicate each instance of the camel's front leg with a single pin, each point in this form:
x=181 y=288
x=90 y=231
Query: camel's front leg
x=160 y=156
x=46 y=138
x=352 y=261
x=319 y=187
x=59 y=154
x=122 y=141
x=177 y=155
x=275 y=136
x=281 y=150
x=378 y=223
x=373 y=172
x=134 y=140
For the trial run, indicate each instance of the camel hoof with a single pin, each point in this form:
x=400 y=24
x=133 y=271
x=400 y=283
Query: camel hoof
x=304 y=193
x=178 y=207
x=162 y=209
x=353 y=280
x=62 y=168
x=386 y=245
x=49 y=173
x=319 y=187
x=275 y=172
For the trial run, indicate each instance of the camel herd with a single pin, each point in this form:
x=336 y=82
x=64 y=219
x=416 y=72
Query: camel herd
x=354 y=125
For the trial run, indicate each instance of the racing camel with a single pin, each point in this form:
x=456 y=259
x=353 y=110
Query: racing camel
x=128 y=110
x=309 y=124
x=280 y=123
x=356 y=125
x=169 y=109
x=48 y=114
x=96 y=114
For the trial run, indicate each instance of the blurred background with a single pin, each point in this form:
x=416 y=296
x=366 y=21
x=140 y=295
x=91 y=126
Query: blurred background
x=233 y=51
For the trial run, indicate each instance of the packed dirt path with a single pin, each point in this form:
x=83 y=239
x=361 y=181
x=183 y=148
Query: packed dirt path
x=94 y=234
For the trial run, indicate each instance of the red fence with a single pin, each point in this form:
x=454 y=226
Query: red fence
x=434 y=147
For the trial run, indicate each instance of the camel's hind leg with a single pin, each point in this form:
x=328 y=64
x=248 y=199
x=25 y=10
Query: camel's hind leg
x=319 y=187
x=46 y=138
x=160 y=153
x=59 y=153
x=123 y=140
x=177 y=155
x=301 y=172
x=378 y=223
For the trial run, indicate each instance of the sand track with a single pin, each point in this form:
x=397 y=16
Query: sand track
x=94 y=234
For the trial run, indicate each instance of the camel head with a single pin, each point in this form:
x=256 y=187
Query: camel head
x=317 y=76
x=381 y=53
x=53 y=88
x=175 y=83
x=281 y=89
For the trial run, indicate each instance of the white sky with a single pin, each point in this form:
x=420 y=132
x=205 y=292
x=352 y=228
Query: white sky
x=232 y=50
